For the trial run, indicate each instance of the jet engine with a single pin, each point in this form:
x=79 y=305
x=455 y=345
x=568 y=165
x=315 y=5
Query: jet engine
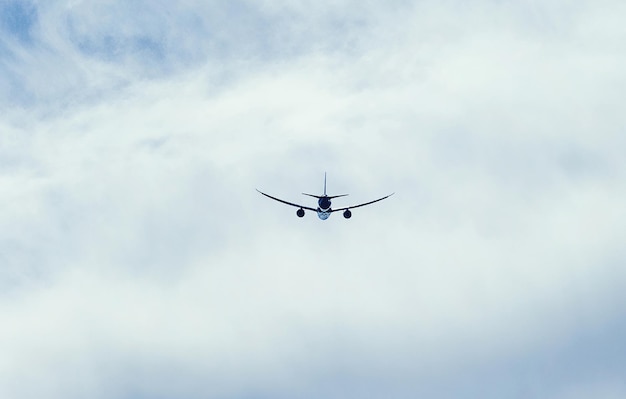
x=300 y=212
x=347 y=214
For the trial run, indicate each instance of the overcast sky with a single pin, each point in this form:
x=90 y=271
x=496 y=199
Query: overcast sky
x=137 y=260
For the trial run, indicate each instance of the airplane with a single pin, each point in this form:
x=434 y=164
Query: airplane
x=324 y=204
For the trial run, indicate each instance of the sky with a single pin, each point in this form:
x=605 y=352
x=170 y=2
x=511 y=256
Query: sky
x=137 y=260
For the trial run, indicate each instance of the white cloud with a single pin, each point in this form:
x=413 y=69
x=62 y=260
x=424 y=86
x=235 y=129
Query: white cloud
x=138 y=260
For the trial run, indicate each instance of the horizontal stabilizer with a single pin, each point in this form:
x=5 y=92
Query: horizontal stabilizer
x=322 y=196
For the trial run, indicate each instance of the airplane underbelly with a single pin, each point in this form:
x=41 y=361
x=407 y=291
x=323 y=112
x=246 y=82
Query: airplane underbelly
x=323 y=214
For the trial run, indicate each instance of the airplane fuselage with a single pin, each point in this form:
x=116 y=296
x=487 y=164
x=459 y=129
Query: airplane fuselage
x=323 y=208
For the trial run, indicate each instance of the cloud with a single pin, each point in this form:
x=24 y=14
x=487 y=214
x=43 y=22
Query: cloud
x=138 y=261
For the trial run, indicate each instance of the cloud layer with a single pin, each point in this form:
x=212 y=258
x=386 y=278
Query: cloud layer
x=138 y=261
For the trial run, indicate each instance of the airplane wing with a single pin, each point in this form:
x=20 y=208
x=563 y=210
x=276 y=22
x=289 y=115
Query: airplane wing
x=367 y=203
x=288 y=203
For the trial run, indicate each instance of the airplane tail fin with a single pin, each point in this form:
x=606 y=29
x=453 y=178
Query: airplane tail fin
x=325 y=195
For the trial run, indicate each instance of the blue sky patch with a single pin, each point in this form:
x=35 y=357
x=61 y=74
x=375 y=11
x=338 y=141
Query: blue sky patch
x=17 y=19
